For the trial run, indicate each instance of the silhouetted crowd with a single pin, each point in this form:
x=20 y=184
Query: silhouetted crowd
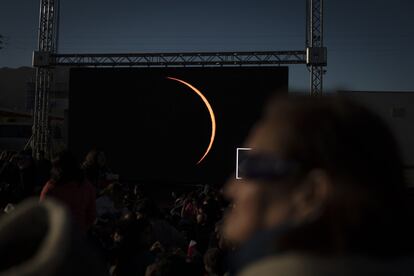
x=21 y=176
x=132 y=234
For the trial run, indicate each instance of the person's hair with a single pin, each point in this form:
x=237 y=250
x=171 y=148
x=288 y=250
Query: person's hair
x=148 y=209
x=169 y=265
x=91 y=158
x=132 y=230
x=65 y=168
x=112 y=190
x=354 y=147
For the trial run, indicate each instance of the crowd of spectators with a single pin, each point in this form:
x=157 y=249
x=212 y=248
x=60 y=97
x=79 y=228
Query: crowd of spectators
x=131 y=232
x=21 y=176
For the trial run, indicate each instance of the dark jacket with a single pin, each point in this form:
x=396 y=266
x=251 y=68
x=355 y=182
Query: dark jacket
x=301 y=265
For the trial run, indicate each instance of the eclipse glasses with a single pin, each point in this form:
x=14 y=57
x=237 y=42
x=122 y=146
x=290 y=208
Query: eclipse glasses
x=261 y=166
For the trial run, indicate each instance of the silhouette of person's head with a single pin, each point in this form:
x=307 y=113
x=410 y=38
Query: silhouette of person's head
x=326 y=169
x=65 y=168
x=95 y=158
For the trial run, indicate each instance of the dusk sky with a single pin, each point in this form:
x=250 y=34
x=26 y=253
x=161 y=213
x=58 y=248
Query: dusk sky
x=370 y=42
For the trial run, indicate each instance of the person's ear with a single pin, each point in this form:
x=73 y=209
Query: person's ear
x=312 y=196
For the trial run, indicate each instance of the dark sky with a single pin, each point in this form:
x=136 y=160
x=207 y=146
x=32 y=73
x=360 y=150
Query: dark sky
x=369 y=42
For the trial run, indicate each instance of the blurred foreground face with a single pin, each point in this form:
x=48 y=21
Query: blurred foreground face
x=326 y=170
x=250 y=210
x=243 y=218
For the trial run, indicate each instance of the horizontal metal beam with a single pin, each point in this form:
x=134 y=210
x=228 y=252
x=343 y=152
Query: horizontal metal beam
x=180 y=59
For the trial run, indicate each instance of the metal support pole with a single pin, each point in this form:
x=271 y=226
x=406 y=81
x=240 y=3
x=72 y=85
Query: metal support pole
x=316 y=52
x=48 y=18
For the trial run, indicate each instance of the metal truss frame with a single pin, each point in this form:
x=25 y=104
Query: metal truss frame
x=317 y=57
x=47 y=57
x=47 y=42
x=181 y=59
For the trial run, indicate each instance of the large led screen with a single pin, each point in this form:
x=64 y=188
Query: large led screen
x=169 y=125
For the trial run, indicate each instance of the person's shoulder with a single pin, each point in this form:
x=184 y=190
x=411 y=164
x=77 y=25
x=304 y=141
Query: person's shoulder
x=85 y=182
x=50 y=184
x=286 y=264
x=48 y=189
x=307 y=265
x=87 y=185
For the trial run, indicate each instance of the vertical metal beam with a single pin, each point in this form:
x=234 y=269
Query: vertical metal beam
x=47 y=41
x=316 y=50
x=316 y=78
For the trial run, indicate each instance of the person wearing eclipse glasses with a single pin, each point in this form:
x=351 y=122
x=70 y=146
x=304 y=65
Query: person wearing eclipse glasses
x=321 y=192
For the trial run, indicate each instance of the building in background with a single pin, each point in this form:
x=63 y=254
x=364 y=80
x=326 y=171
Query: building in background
x=16 y=130
x=397 y=109
x=59 y=94
x=17 y=97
